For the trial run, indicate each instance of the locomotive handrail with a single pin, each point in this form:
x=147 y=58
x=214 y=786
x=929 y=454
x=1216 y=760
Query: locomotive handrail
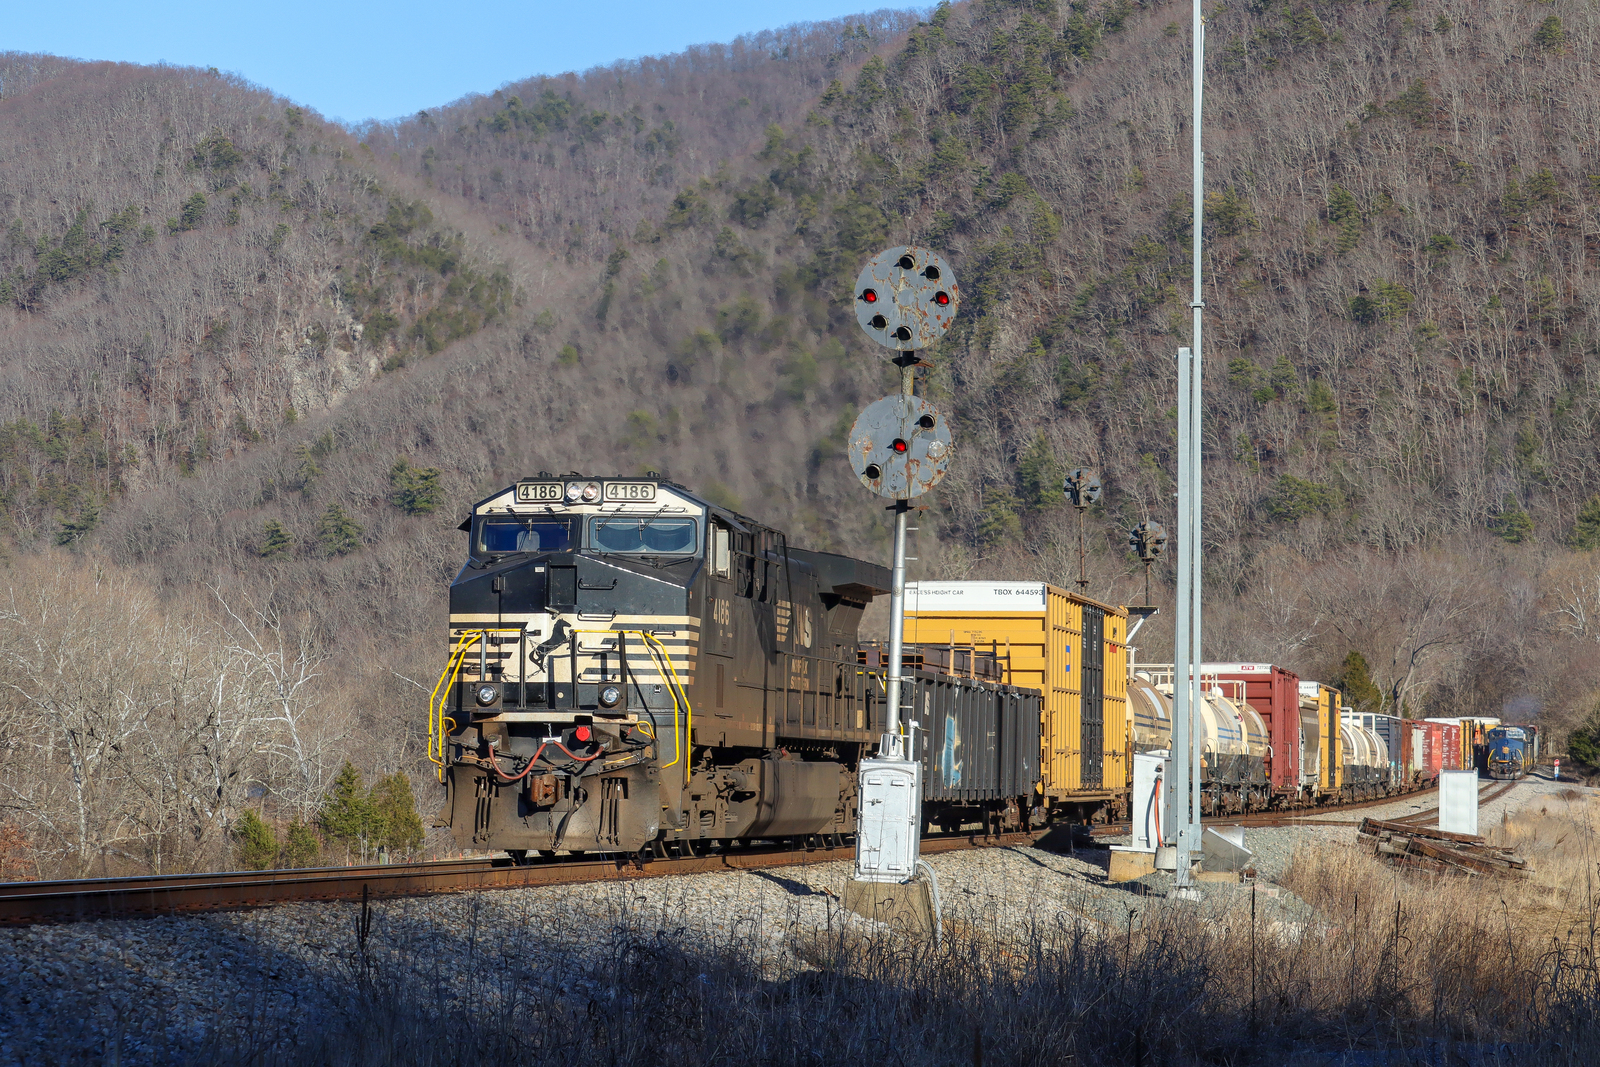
x=653 y=646
x=452 y=671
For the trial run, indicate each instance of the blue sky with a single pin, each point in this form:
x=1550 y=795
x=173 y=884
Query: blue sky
x=354 y=61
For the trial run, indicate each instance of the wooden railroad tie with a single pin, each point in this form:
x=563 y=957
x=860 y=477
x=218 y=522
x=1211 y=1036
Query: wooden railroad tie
x=1423 y=849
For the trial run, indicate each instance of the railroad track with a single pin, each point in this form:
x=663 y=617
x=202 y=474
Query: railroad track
x=1487 y=791
x=1292 y=817
x=31 y=903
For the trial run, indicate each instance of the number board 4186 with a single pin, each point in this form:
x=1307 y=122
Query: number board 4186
x=630 y=492
x=538 y=492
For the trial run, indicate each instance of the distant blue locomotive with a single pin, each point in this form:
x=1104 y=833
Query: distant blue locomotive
x=1508 y=752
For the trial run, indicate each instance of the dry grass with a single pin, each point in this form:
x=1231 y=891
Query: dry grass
x=1384 y=963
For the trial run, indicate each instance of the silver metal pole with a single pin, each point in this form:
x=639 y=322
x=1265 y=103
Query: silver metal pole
x=1196 y=424
x=1178 y=788
x=891 y=746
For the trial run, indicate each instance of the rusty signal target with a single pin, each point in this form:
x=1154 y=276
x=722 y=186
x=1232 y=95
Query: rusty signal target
x=900 y=447
x=906 y=298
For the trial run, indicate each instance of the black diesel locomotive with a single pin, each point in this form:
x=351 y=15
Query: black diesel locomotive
x=632 y=666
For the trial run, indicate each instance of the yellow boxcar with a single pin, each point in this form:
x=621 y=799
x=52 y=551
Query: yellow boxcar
x=1330 y=776
x=1071 y=648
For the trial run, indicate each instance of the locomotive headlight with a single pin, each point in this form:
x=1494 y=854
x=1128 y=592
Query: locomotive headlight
x=610 y=696
x=486 y=694
x=574 y=491
x=591 y=493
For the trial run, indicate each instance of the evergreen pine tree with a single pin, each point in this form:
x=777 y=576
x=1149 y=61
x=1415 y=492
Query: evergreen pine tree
x=1550 y=35
x=1583 y=744
x=416 y=489
x=1040 y=475
x=300 y=846
x=1586 y=531
x=346 y=816
x=276 y=542
x=1355 y=681
x=255 y=845
x=337 y=532
x=397 y=825
x=999 y=521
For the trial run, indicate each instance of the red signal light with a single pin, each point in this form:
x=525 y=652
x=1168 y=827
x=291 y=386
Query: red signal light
x=582 y=733
x=941 y=298
x=899 y=445
x=870 y=295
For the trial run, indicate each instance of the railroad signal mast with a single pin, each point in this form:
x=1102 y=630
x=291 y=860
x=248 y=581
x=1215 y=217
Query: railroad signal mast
x=1182 y=823
x=1149 y=540
x=900 y=447
x=1083 y=489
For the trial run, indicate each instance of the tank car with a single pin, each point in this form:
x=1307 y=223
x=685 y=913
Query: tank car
x=1368 y=771
x=631 y=666
x=1233 y=740
x=1508 y=752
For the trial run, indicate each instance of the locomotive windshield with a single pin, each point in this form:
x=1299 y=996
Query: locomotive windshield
x=512 y=534
x=642 y=535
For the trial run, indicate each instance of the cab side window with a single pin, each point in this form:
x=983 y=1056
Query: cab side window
x=721 y=551
x=744 y=571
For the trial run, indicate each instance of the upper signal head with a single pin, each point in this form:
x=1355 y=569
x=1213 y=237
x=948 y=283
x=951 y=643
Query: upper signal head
x=906 y=298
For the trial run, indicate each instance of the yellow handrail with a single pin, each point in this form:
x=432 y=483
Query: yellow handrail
x=653 y=648
x=436 y=733
x=452 y=671
x=653 y=645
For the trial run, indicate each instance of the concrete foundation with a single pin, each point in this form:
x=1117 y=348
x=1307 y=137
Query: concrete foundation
x=907 y=907
x=1128 y=864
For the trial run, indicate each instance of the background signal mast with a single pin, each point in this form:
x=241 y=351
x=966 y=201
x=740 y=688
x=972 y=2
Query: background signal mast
x=1149 y=539
x=1083 y=489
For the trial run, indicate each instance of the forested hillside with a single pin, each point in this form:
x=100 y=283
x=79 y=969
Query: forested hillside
x=258 y=365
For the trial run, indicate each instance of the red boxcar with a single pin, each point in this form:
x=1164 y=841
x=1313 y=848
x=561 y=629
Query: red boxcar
x=1275 y=694
x=1432 y=750
x=1451 y=735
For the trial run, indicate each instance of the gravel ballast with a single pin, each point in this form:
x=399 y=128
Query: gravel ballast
x=186 y=989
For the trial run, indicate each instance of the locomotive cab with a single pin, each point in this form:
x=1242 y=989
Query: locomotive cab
x=630 y=664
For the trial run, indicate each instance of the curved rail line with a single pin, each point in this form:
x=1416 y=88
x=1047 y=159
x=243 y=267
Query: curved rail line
x=1289 y=817
x=1319 y=817
x=1487 y=791
x=145 y=896
x=30 y=903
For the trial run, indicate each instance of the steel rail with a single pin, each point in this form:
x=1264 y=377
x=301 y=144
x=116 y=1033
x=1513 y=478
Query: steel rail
x=30 y=903
x=1325 y=816
x=1279 y=818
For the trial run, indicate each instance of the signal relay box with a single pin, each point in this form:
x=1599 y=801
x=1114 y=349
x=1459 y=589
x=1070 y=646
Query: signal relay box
x=887 y=833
